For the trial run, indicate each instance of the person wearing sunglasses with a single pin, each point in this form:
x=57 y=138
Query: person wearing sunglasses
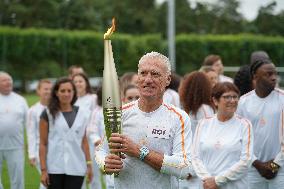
x=223 y=144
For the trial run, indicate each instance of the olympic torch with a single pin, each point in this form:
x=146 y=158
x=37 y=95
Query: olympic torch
x=110 y=89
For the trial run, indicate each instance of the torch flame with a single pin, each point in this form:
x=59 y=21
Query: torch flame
x=110 y=30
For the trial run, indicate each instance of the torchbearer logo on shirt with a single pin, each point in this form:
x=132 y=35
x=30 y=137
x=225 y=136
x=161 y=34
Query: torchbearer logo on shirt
x=218 y=145
x=262 y=121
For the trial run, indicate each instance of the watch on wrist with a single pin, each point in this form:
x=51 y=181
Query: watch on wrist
x=144 y=151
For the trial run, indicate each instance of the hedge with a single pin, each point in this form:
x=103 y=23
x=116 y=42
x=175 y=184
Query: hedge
x=235 y=50
x=35 y=53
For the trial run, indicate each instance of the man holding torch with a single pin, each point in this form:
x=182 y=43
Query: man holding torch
x=156 y=137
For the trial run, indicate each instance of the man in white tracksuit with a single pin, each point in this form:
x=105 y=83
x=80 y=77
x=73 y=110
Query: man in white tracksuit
x=13 y=112
x=156 y=137
x=33 y=118
x=264 y=108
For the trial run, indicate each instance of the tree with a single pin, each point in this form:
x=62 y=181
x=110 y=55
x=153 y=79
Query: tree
x=227 y=17
x=77 y=14
x=266 y=22
x=28 y=13
x=135 y=16
x=203 y=18
x=184 y=17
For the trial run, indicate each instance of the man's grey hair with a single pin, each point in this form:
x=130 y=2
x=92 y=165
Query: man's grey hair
x=2 y=73
x=156 y=55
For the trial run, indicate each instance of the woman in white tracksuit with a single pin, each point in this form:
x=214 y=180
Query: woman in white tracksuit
x=223 y=144
x=64 y=151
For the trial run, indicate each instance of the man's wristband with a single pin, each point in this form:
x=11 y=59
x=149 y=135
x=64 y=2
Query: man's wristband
x=144 y=151
x=89 y=162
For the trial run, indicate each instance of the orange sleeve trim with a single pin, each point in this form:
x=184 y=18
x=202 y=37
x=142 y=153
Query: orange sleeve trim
x=128 y=106
x=249 y=133
x=279 y=91
x=182 y=129
x=282 y=123
x=247 y=94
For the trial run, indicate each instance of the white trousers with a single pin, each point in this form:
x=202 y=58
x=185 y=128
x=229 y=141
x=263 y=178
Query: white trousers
x=193 y=183
x=256 y=181
x=15 y=162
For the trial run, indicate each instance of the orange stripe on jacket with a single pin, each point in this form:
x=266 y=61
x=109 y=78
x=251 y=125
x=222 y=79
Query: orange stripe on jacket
x=248 y=134
x=248 y=93
x=128 y=106
x=282 y=122
x=182 y=129
x=279 y=91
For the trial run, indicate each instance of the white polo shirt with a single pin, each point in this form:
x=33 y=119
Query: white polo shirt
x=13 y=112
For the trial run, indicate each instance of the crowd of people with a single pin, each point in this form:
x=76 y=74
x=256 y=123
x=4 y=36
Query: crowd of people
x=200 y=131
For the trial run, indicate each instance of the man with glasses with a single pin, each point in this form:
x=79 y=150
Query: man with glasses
x=156 y=137
x=264 y=108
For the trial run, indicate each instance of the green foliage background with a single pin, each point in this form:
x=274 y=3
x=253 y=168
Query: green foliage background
x=36 y=53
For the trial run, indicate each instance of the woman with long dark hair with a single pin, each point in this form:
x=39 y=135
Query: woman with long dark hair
x=195 y=96
x=64 y=151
